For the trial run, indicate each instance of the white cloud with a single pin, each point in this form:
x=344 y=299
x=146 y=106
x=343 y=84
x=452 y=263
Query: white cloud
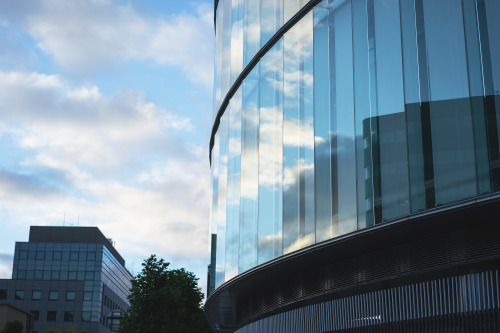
x=89 y=35
x=118 y=162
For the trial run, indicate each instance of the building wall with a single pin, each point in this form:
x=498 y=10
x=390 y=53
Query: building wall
x=90 y=271
x=362 y=112
x=334 y=117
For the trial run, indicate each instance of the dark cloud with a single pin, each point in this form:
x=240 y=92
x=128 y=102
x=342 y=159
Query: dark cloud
x=46 y=183
x=6 y=258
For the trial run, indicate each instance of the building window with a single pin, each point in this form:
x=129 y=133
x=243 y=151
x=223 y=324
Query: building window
x=70 y=295
x=55 y=275
x=3 y=293
x=85 y=316
x=38 y=275
x=89 y=276
x=36 y=295
x=19 y=294
x=71 y=275
x=87 y=295
x=90 y=256
x=81 y=276
x=57 y=255
x=40 y=255
x=73 y=256
x=36 y=313
x=53 y=295
x=69 y=315
x=46 y=275
x=51 y=315
x=23 y=255
x=21 y=274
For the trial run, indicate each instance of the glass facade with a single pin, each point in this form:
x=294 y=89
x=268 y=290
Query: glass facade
x=362 y=112
x=93 y=264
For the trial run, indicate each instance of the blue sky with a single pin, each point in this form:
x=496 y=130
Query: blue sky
x=105 y=117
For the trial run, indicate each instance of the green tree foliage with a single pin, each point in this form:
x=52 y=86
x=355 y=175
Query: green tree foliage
x=13 y=326
x=164 y=300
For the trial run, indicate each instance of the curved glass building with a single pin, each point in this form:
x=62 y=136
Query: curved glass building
x=355 y=157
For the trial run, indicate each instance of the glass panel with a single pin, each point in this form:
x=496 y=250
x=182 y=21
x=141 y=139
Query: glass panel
x=271 y=17
x=218 y=63
x=488 y=12
x=413 y=107
x=249 y=173
x=363 y=105
x=251 y=30
x=221 y=210
x=344 y=199
x=391 y=191
x=233 y=186
x=270 y=155
x=298 y=137
x=322 y=132
x=237 y=17
x=450 y=111
x=477 y=95
x=226 y=47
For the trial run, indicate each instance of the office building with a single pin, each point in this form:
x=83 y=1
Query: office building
x=355 y=159
x=68 y=276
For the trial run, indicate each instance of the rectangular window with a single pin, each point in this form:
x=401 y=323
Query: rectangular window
x=71 y=275
x=51 y=315
x=73 y=255
x=21 y=274
x=70 y=295
x=90 y=256
x=36 y=314
x=46 y=275
x=55 y=275
x=81 y=276
x=23 y=255
x=89 y=276
x=36 y=295
x=38 y=275
x=3 y=293
x=69 y=315
x=57 y=255
x=87 y=296
x=40 y=255
x=53 y=295
x=85 y=316
x=19 y=294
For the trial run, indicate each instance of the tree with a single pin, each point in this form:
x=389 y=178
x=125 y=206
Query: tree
x=13 y=326
x=164 y=300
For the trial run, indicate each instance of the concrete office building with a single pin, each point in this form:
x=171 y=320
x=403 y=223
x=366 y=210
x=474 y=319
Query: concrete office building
x=355 y=158
x=68 y=275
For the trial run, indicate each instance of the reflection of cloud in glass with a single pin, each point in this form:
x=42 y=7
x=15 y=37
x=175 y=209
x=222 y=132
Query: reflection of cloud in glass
x=291 y=137
x=250 y=153
x=270 y=158
x=268 y=241
x=300 y=243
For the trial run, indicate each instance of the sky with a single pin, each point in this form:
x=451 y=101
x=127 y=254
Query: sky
x=105 y=120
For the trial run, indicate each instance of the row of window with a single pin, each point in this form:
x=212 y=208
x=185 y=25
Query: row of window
x=110 y=304
x=57 y=275
x=57 y=255
x=68 y=315
x=36 y=295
